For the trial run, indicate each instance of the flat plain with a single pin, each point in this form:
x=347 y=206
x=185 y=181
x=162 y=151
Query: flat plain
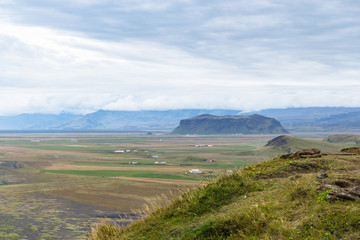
x=58 y=185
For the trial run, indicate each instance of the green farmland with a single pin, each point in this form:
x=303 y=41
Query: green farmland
x=58 y=186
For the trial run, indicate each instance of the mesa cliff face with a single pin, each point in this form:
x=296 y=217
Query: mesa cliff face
x=209 y=124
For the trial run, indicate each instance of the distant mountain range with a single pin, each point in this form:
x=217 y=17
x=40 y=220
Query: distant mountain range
x=230 y=124
x=106 y=120
x=330 y=119
x=327 y=119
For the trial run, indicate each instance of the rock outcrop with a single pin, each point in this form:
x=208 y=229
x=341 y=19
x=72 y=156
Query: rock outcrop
x=355 y=150
x=305 y=153
x=341 y=189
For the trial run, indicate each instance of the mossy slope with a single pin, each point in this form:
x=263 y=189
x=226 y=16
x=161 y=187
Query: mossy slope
x=277 y=199
x=287 y=144
x=343 y=138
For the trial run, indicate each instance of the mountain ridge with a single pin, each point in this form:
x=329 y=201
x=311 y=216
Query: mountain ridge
x=328 y=119
x=105 y=120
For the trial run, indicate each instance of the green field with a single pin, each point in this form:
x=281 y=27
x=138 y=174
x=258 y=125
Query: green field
x=110 y=173
x=71 y=148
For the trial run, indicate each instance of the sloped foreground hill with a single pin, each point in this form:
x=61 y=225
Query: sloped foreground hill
x=210 y=124
x=310 y=198
x=343 y=138
x=287 y=144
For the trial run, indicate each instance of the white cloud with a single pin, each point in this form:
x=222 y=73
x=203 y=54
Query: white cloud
x=229 y=54
x=244 y=23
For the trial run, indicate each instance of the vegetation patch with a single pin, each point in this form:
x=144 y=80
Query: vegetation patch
x=119 y=173
x=71 y=148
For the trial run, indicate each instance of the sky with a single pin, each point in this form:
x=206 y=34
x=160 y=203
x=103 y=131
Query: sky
x=79 y=56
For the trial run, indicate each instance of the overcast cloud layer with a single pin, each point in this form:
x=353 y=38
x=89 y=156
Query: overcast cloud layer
x=83 y=55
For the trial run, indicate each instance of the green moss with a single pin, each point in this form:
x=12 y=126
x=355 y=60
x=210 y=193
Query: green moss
x=322 y=196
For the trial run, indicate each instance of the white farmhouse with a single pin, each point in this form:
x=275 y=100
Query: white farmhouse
x=195 y=171
x=119 y=151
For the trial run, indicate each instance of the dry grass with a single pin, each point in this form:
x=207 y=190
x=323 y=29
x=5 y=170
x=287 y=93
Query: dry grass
x=108 y=229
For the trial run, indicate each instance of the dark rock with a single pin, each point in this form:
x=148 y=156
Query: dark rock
x=287 y=156
x=311 y=156
x=313 y=151
x=340 y=195
x=325 y=187
x=322 y=176
x=355 y=150
x=342 y=183
x=305 y=153
x=355 y=191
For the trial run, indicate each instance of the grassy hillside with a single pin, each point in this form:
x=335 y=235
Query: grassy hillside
x=343 y=138
x=287 y=144
x=277 y=199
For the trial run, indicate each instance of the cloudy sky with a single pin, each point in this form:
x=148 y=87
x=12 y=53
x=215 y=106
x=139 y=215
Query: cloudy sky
x=83 y=55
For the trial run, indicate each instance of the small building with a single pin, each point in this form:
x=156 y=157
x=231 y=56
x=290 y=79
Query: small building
x=119 y=151
x=133 y=162
x=160 y=163
x=203 y=145
x=154 y=156
x=210 y=160
x=229 y=171
x=128 y=151
x=195 y=171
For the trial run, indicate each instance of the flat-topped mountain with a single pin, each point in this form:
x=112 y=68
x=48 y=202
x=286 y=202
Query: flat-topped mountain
x=230 y=124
